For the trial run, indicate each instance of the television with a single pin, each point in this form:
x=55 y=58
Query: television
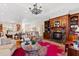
x=57 y=35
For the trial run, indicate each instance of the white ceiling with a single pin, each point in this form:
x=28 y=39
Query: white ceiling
x=19 y=12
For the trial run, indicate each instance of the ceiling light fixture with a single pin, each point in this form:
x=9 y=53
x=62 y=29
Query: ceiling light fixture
x=35 y=10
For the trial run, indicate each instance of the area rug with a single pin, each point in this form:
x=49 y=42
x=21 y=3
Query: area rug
x=52 y=50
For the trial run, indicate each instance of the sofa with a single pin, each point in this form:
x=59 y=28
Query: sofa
x=7 y=47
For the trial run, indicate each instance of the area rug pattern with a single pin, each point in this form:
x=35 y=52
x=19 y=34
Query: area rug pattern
x=52 y=50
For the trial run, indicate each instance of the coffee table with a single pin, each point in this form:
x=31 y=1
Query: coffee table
x=31 y=50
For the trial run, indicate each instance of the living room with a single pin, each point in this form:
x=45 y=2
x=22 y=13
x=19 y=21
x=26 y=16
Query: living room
x=39 y=29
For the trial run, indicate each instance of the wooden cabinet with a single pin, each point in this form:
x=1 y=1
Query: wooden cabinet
x=73 y=52
x=62 y=26
x=66 y=23
x=1 y=28
x=73 y=22
x=46 y=30
x=18 y=43
x=46 y=35
x=72 y=37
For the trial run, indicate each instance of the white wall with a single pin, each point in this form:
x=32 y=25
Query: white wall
x=9 y=25
x=36 y=26
x=40 y=27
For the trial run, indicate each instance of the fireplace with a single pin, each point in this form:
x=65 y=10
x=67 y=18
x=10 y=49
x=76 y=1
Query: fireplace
x=57 y=35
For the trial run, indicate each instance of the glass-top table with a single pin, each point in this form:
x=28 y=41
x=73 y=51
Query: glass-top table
x=34 y=50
